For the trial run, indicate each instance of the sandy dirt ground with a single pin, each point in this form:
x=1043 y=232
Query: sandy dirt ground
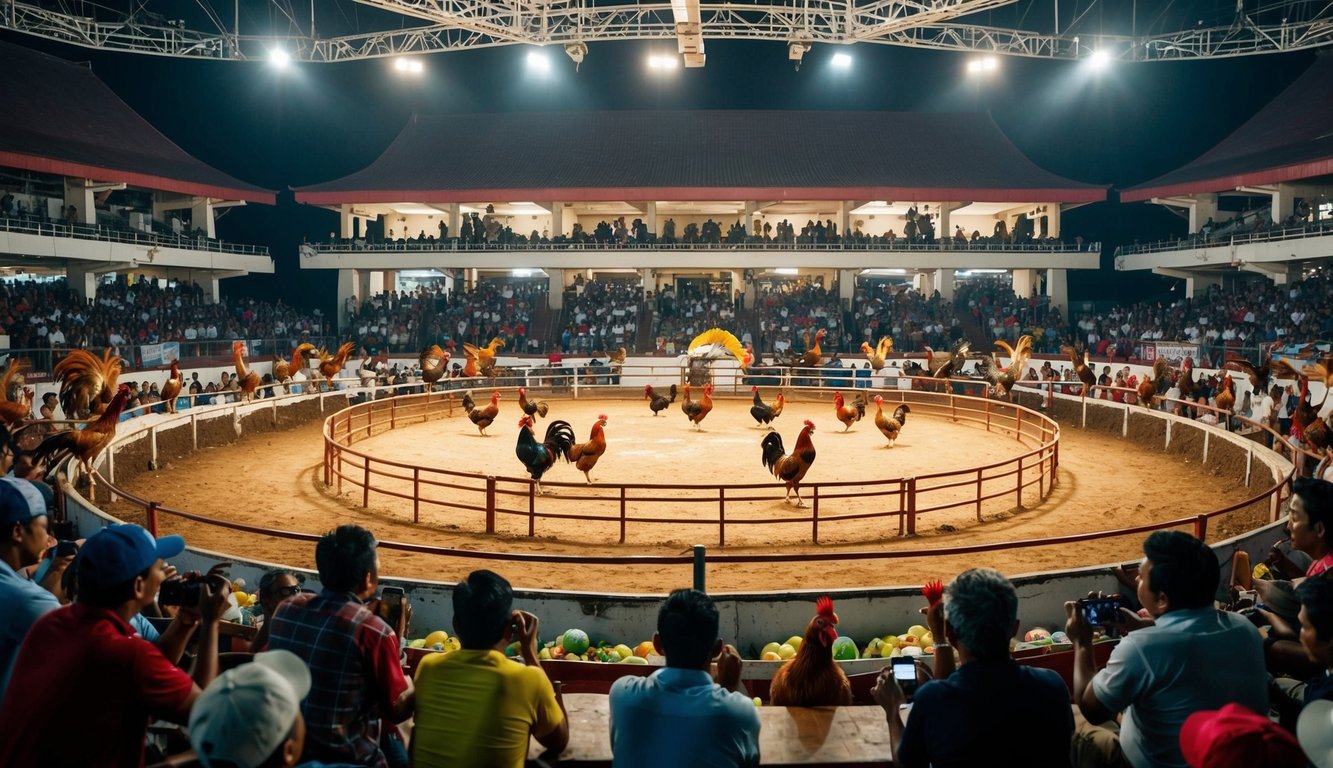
x=275 y=480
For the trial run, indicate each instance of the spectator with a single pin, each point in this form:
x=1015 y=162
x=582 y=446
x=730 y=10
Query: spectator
x=476 y=707
x=275 y=588
x=1188 y=658
x=1235 y=737
x=250 y=716
x=1290 y=696
x=1310 y=530
x=969 y=716
x=681 y=715
x=22 y=602
x=87 y=655
x=357 y=680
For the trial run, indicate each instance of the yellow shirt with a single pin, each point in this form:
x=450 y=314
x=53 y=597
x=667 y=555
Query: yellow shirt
x=478 y=708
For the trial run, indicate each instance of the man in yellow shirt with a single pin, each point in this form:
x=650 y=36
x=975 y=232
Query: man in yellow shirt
x=476 y=708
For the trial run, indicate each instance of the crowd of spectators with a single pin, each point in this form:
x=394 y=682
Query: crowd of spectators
x=1258 y=221
x=406 y=321
x=601 y=316
x=1002 y=314
x=914 y=321
x=789 y=314
x=681 y=315
x=112 y=225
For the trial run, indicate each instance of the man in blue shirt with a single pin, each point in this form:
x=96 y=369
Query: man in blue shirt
x=22 y=602
x=680 y=715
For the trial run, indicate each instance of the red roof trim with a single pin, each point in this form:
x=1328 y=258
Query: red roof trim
x=604 y=194
x=1295 y=172
x=149 y=181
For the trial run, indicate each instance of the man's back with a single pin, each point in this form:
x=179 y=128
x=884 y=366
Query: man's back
x=478 y=708
x=681 y=717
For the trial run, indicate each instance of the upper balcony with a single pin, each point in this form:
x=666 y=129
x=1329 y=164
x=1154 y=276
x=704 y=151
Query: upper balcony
x=1269 y=251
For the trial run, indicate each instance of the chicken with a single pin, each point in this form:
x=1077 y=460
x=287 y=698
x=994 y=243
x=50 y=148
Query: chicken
x=84 y=444
x=1188 y=387
x=1082 y=369
x=534 y=410
x=283 y=370
x=1004 y=378
x=13 y=412
x=482 y=417
x=246 y=379
x=812 y=678
x=890 y=426
x=617 y=357
x=849 y=414
x=171 y=388
x=484 y=356
x=434 y=365
x=790 y=469
x=813 y=355
x=1226 y=394
x=1259 y=377
x=539 y=457
x=1148 y=388
x=657 y=402
x=764 y=413
x=944 y=365
x=87 y=382
x=697 y=412
x=876 y=356
x=331 y=365
x=584 y=456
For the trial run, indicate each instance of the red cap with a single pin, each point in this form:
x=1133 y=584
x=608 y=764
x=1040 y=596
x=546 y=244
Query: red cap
x=1234 y=736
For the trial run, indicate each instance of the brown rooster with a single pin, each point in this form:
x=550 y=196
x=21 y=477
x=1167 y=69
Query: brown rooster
x=943 y=365
x=812 y=678
x=532 y=409
x=13 y=412
x=246 y=379
x=891 y=426
x=697 y=412
x=617 y=357
x=482 y=417
x=790 y=469
x=1149 y=387
x=584 y=456
x=849 y=414
x=484 y=356
x=763 y=413
x=876 y=356
x=87 y=443
x=658 y=402
x=171 y=388
x=1004 y=378
x=332 y=365
x=1259 y=377
x=434 y=365
x=1226 y=394
x=814 y=354
x=87 y=382
x=1189 y=388
x=1082 y=369
x=283 y=370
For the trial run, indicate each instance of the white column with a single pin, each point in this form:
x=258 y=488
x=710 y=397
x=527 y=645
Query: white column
x=557 y=220
x=347 y=285
x=923 y=282
x=847 y=287
x=1023 y=282
x=1057 y=287
x=1204 y=208
x=1199 y=284
x=455 y=213
x=1284 y=202
x=345 y=221
x=648 y=279
x=375 y=283
x=81 y=197
x=944 y=283
x=214 y=290
x=844 y=219
x=650 y=218
x=82 y=281
x=555 y=288
x=944 y=232
x=201 y=216
x=1053 y=220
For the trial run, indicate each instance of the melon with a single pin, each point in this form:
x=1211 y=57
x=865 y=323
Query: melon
x=844 y=649
x=576 y=641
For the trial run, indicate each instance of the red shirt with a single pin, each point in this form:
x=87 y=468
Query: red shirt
x=83 y=691
x=1317 y=567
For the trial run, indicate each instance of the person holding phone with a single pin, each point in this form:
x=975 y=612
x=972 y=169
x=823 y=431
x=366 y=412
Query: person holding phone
x=22 y=602
x=989 y=710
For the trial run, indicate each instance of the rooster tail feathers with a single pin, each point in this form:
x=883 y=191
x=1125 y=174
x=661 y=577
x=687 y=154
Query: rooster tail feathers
x=722 y=338
x=900 y=413
x=560 y=437
x=772 y=449
x=673 y=391
x=468 y=404
x=12 y=372
x=542 y=408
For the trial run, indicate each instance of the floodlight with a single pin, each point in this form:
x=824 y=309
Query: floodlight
x=537 y=62
x=662 y=62
x=842 y=61
x=279 y=58
x=1099 y=59
x=409 y=65
x=982 y=65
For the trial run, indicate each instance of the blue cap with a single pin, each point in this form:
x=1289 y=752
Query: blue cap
x=118 y=553
x=20 y=501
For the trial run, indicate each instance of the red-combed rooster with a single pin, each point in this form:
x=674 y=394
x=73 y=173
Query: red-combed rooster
x=283 y=370
x=1081 y=367
x=790 y=469
x=877 y=354
x=332 y=365
x=1226 y=394
x=697 y=412
x=482 y=359
x=849 y=414
x=584 y=456
x=539 y=457
x=658 y=402
x=1160 y=382
x=814 y=354
x=12 y=412
x=812 y=678
x=87 y=382
x=533 y=409
x=434 y=365
x=764 y=413
x=246 y=379
x=87 y=443
x=171 y=388
x=891 y=426
x=482 y=417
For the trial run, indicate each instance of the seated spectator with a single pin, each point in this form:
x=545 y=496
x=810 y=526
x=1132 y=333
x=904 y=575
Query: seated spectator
x=357 y=680
x=991 y=710
x=476 y=707
x=1310 y=530
x=275 y=588
x=250 y=716
x=1235 y=737
x=22 y=602
x=87 y=656
x=1290 y=696
x=1189 y=657
x=682 y=715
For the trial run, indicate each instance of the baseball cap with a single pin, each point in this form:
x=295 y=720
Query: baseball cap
x=1315 y=731
x=118 y=553
x=247 y=712
x=1235 y=736
x=20 y=501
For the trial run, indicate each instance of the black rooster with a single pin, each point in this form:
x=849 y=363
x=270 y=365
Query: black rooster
x=539 y=457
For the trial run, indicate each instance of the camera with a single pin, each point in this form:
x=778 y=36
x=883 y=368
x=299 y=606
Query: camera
x=1103 y=612
x=904 y=673
x=184 y=592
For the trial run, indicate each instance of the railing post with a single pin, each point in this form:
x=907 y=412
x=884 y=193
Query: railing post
x=700 y=572
x=490 y=503
x=393 y=411
x=1201 y=527
x=814 y=516
x=1018 y=502
x=911 y=506
x=721 y=516
x=532 y=510
x=622 y=514
x=365 y=481
x=151 y=518
x=416 y=494
x=979 y=473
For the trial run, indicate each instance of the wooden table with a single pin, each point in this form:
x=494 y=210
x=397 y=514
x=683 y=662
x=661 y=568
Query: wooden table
x=787 y=735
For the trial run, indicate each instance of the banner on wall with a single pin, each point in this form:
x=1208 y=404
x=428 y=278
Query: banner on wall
x=1174 y=354
x=165 y=353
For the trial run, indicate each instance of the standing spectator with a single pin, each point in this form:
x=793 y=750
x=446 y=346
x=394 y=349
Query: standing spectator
x=22 y=602
x=250 y=716
x=681 y=715
x=1189 y=657
x=351 y=652
x=476 y=707
x=966 y=717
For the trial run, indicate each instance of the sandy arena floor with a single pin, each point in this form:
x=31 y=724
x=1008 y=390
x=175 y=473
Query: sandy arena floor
x=274 y=480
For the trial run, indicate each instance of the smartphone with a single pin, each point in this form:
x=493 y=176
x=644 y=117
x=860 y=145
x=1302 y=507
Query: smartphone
x=66 y=548
x=904 y=672
x=1103 y=612
x=391 y=606
x=180 y=592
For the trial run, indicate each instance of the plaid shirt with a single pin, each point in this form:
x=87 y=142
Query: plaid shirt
x=355 y=673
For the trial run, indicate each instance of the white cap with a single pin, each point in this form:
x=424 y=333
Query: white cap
x=1315 y=732
x=247 y=712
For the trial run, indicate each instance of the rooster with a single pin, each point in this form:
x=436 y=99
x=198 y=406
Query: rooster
x=790 y=469
x=813 y=355
x=246 y=379
x=434 y=365
x=534 y=410
x=1082 y=369
x=84 y=444
x=1004 y=379
x=1226 y=395
x=876 y=356
x=697 y=412
x=539 y=457
x=944 y=365
x=12 y=412
x=657 y=402
x=1148 y=388
x=482 y=417
x=812 y=678
x=331 y=365
x=584 y=456
x=764 y=413
x=617 y=358
x=484 y=356
x=891 y=426
x=1259 y=377
x=849 y=414
x=1188 y=386
x=87 y=382
x=283 y=370
x=171 y=388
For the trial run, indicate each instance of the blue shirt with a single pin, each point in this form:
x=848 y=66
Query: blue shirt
x=22 y=602
x=678 y=717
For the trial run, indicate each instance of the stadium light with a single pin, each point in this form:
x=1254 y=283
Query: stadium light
x=279 y=58
x=1099 y=60
x=842 y=61
x=983 y=65
x=662 y=62
x=408 y=65
x=538 y=63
